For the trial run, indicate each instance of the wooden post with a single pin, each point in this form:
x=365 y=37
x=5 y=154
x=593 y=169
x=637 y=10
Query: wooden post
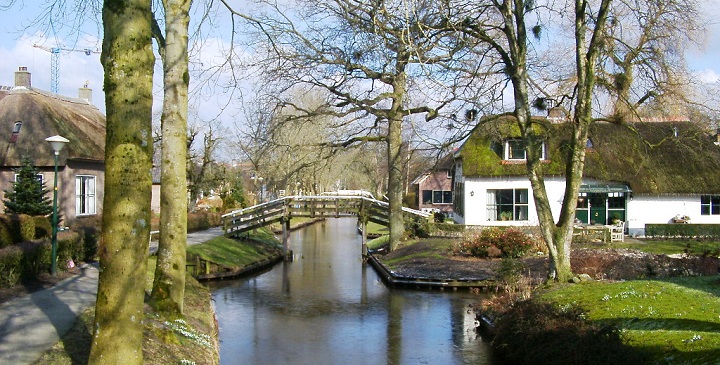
x=364 y=237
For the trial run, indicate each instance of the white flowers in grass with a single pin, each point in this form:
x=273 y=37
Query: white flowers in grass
x=187 y=362
x=181 y=327
x=693 y=339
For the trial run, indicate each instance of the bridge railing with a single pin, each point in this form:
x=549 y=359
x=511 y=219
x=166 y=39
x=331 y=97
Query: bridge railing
x=281 y=209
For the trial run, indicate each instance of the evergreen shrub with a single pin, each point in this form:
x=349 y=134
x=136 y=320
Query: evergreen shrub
x=20 y=226
x=10 y=266
x=28 y=194
x=36 y=258
x=43 y=227
x=70 y=247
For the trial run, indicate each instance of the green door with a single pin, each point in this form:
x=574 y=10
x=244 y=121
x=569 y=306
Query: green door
x=598 y=209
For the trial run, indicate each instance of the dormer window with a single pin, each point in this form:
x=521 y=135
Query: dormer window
x=15 y=131
x=589 y=143
x=515 y=150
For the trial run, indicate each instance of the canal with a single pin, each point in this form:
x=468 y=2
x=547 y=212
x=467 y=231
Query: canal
x=327 y=307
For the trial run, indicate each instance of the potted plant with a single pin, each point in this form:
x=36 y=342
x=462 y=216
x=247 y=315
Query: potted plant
x=506 y=215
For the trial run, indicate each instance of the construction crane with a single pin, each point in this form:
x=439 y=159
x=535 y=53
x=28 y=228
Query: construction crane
x=55 y=62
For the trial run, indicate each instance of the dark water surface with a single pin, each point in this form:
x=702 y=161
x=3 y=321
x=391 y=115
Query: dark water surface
x=326 y=307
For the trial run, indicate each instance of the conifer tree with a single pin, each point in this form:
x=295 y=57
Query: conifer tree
x=28 y=195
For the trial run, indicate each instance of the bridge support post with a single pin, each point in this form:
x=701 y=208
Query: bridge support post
x=287 y=254
x=363 y=226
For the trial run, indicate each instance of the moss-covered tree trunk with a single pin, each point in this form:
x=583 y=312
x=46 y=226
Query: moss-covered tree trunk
x=394 y=151
x=169 y=283
x=127 y=60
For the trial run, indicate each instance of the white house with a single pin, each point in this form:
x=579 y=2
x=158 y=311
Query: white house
x=639 y=173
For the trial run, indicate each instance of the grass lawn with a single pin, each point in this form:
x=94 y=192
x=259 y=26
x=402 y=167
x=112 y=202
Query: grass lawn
x=677 y=319
x=233 y=253
x=669 y=247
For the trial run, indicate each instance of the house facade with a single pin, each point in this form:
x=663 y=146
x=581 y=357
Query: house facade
x=434 y=188
x=639 y=173
x=28 y=116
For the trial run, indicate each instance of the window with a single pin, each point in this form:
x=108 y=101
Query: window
x=427 y=196
x=39 y=177
x=515 y=150
x=437 y=197
x=84 y=195
x=15 y=132
x=442 y=197
x=507 y=205
x=710 y=205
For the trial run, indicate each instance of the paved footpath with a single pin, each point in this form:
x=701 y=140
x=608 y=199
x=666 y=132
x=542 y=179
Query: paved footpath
x=32 y=324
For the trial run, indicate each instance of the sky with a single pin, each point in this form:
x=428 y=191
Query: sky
x=76 y=68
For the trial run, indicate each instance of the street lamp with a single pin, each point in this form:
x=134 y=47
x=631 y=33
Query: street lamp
x=57 y=143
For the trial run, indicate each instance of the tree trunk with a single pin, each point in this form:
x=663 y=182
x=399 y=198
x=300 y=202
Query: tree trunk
x=169 y=283
x=127 y=60
x=394 y=149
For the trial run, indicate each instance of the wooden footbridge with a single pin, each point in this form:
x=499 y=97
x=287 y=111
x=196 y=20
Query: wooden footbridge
x=322 y=206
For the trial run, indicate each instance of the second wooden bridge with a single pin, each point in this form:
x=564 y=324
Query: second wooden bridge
x=322 y=206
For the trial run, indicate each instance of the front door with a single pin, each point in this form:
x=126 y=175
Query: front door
x=598 y=209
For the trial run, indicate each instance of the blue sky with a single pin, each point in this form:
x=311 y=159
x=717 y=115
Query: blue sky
x=76 y=68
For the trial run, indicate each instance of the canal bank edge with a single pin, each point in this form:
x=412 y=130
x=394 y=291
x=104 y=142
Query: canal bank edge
x=394 y=280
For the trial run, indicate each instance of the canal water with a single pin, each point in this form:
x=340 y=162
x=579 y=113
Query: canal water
x=327 y=307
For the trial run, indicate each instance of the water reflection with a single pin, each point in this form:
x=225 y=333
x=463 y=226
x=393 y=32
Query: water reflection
x=326 y=307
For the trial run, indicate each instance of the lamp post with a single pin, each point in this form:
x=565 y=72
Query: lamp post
x=57 y=143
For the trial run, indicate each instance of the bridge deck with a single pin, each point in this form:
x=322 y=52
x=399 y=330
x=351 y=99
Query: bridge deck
x=324 y=206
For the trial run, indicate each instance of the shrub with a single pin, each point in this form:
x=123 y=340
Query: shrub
x=91 y=242
x=20 y=226
x=28 y=194
x=5 y=236
x=417 y=227
x=70 y=247
x=10 y=266
x=496 y=242
x=43 y=227
x=535 y=332
x=36 y=258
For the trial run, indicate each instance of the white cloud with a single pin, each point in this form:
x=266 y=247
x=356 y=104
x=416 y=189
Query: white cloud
x=708 y=76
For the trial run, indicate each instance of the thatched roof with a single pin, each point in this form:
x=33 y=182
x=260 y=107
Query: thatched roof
x=646 y=156
x=43 y=115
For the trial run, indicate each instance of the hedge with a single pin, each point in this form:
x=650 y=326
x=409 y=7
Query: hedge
x=5 y=236
x=43 y=227
x=674 y=230
x=10 y=266
x=27 y=260
x=21 y=226
x=199 y=221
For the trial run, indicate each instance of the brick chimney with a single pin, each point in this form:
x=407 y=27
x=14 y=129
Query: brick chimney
x=22 y=77
x=85 y=93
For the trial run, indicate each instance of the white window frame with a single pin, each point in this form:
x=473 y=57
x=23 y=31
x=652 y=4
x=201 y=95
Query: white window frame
x=507 y=150
x=85 y=195
x=519 y=209
x=42 y=178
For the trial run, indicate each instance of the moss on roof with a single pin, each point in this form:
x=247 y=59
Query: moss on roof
x=646 y=156
x=44 y=115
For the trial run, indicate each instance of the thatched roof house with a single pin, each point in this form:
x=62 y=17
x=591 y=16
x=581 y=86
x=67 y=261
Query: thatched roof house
x=28 y=116
x=673 y=167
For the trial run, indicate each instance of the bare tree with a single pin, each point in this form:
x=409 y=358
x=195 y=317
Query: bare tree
x=168 y=290
x=368 y=56
x=644 y=54
x=128 y=62
x=504 y=26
